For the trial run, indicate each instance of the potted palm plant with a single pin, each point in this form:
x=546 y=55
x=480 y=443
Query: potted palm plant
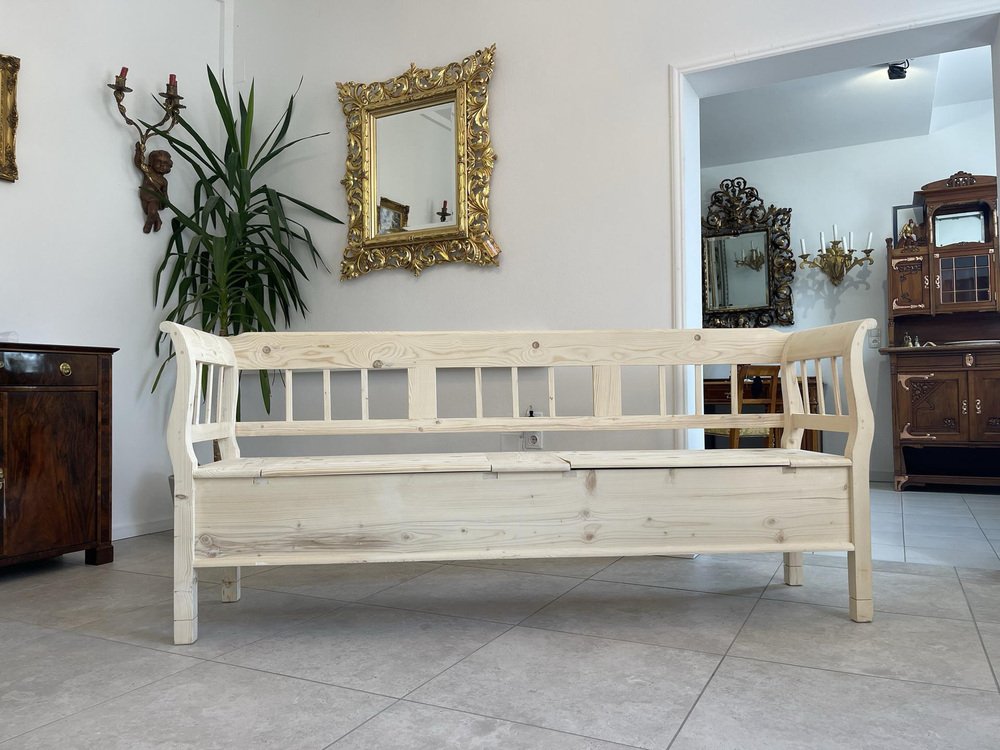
x=231 y=264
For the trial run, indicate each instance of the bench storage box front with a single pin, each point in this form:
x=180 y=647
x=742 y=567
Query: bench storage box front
x=238 y=511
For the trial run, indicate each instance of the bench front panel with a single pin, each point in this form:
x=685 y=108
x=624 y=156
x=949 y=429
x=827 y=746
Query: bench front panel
x=482 y=515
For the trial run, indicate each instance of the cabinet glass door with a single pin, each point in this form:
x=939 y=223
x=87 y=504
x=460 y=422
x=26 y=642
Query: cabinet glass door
x=964 y=281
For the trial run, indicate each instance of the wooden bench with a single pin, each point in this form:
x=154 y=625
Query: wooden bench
x=479 y=504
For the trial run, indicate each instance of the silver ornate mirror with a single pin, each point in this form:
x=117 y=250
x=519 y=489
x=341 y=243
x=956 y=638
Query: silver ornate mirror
x=419 y=162
x=747 y=264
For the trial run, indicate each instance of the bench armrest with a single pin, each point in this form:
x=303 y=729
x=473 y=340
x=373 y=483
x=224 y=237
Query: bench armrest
x=844 y=342
x=204 y=406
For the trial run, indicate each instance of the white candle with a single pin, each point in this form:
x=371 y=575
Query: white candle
x=834 y=231
x=802 y=242
x=822 y=241
x=869 y=241
x=850 y=241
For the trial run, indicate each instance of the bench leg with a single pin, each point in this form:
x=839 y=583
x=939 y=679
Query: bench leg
x=185 y=574
x=859 y=560
x=793 y=568
x=186 y=609
x=231 y=584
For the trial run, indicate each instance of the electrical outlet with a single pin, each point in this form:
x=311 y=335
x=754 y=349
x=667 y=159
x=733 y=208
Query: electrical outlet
x=531 y=441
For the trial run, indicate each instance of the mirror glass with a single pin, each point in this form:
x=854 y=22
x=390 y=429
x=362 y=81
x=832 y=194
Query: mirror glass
x=951 y=229
x=416 y=172
x=419 y=163
x=747 y=264
x=737 y=271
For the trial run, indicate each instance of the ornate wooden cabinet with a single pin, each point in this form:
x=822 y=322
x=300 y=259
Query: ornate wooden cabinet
x=944 y=337
x=55 y=452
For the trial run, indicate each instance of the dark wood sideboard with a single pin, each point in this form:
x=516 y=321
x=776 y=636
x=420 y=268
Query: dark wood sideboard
x=943 y=338
x=55 y=452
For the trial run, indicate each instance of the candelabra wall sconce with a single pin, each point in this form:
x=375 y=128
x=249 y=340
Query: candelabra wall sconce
x=837 y=259
x=153 y=191
x=754 y=260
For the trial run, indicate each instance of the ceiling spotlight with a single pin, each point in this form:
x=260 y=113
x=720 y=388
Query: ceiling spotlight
x=897 y=70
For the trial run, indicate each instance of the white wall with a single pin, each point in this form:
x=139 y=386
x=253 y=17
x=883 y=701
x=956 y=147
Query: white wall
x=856 y=188
x=581 y=196
x=75 y=267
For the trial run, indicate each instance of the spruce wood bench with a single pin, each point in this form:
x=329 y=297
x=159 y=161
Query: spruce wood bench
x=238 y=511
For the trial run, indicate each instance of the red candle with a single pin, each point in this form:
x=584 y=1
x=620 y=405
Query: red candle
x=173 y=80
x=123 y=73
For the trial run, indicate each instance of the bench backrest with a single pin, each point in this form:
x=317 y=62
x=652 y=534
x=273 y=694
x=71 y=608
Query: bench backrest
x=435 y=363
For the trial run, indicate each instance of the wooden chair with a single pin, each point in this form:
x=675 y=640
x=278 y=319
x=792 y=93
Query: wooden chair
x=763 y=391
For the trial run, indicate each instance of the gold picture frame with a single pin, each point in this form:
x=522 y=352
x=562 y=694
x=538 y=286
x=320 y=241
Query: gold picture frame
x=461 y=87
x=392 y=216
x=9 y=66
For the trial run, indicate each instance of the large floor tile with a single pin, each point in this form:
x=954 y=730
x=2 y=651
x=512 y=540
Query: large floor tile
x=60 y=673
x=647 y=614
x=485 y=593
x=720 y=574
x=574 y=567
x=759 y=706
x=963 y=541
x=621 y=692
x=214 y=706
x=990 y=632
x=984 y=598
x=903 y=593
x=930 y=523
x=412 y=726
x=906 y=647
x=345 y=582
x=954 y=556
x=13 y=634
x=889 y=566
x=381 y=650
x=222 y=626
x=916 y=529
x=74 y=599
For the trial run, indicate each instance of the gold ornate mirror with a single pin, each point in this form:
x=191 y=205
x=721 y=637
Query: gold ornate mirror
x=419 y=161
x=8 y=115
x=747 y=264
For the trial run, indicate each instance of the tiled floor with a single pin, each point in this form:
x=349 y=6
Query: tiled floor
x=641 y=652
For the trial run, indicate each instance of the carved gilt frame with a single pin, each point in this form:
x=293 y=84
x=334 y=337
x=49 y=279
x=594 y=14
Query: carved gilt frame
x=8 y=115
x=468 y=239
x=736 y=208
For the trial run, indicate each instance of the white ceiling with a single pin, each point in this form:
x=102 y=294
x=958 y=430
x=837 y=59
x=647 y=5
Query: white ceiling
x=844 y=108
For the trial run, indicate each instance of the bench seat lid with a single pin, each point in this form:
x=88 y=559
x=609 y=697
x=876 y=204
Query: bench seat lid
x=512 y=462
x=698 y=458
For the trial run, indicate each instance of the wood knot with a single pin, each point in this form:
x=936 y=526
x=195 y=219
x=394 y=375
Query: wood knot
x=377 y=364
x=697 y=337
x=535 y=344
x=591 y=481
x=266 y=350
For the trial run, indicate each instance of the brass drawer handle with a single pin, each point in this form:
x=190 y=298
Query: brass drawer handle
x=65 y=369
x=965 y=406
x=979 y=406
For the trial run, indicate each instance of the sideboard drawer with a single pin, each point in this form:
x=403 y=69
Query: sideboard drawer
x=21 y=368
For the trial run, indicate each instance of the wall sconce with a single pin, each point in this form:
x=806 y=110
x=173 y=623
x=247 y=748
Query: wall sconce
x=835 y=261
x=153 y=190
x=754 y=261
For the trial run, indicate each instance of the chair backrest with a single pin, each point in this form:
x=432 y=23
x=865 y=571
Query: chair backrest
x=765 y=381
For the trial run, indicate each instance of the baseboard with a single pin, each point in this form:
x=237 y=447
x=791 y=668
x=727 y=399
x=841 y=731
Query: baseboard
x=126 y=530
